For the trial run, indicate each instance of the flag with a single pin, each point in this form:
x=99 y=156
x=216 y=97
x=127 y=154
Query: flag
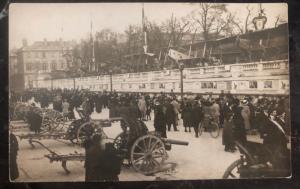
x=177 y=55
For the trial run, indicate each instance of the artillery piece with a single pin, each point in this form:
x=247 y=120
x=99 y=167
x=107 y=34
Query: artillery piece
x=145 y=151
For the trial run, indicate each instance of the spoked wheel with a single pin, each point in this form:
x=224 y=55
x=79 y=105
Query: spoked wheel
x=85 y=131
x=58 y=122
x=71 y=133
x=232 y=172
x=148 y=154
x=46 y=124
x=200 y=128
x=214 y=129
x=121 y=141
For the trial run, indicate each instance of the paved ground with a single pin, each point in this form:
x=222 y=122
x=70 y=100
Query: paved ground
x=203 y=158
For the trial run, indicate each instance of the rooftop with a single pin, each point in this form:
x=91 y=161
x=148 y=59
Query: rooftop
x=50 y=45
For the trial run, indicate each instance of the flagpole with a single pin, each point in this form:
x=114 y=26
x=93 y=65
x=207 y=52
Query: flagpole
x=145 y=34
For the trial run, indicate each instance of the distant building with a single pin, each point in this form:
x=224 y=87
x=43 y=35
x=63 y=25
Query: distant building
x=44 y=59
x=16 y=76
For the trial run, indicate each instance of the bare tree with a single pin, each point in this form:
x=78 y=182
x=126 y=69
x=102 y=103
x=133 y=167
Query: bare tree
x=212 y=18
x=176 y=28
x=243 y=26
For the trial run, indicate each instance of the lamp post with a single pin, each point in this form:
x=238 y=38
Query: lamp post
x=181 y=67
x=111 y=83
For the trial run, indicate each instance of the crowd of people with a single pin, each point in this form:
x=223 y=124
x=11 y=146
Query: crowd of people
x=236 y=115
x=168 y=109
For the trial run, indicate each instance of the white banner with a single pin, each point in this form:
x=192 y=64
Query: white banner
x=177 y=55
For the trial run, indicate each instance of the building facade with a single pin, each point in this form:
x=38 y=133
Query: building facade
x=44 y=59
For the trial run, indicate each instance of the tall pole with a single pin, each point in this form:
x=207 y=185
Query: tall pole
x=145 y=35
x=73 y=83
x=181 y=80
x=111 y=83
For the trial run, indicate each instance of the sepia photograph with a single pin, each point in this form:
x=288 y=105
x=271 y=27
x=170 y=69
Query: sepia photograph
x=102 y=92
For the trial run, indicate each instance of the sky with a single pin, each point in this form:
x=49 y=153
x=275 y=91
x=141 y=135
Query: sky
x=38 y=21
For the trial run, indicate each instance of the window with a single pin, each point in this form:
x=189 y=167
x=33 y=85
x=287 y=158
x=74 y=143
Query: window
x=208 y=85
x=253 y=84
x=62 y=65
x=143 y=86
x=44 y=66
x=53 y=65
x=152 y=85
x=28 y=67
x=268 y=84
x=43 y=54
x=129 y=85
x=161 y=86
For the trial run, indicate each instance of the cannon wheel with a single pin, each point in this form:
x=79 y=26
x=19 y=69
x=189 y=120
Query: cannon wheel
x=84 y=131
x=232 y=170
x=147 y=154
x=121 y=139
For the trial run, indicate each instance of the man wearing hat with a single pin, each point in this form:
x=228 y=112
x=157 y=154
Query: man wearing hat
x=246 y=114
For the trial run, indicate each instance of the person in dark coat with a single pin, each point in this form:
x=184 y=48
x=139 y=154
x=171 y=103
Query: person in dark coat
x=13 y=153
x=170 y=116
x=160 y=121
x=187 y=116
x=227 y=135
x=239 y=130
x=275 y=139
x=87 y=108
x=197 y=117
x=57 y=103
x=99 y=103
x=34 y=120
x=111 y=162
x=93 y=152
x=44 y=101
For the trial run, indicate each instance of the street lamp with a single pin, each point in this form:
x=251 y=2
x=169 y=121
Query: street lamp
x=181 y=67
x=111 y=84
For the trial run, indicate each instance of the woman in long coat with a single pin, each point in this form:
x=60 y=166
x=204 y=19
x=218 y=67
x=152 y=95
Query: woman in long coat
x=170 y=116
x=187 y=116
x=246 y=114
x=197 y=117
x=227 y=135
x=160 y=121
x=239 y=131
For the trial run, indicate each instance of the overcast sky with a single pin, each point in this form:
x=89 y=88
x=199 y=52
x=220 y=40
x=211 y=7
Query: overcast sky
x=72 y=21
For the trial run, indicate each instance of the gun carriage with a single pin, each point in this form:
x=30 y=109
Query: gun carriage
x=143 y=150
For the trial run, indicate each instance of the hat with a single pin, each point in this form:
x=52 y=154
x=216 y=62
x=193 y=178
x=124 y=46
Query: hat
x=244 y=102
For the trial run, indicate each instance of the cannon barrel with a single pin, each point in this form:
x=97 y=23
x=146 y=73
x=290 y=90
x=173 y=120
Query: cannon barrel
x=177 y=142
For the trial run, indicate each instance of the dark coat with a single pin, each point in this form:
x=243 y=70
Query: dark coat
x=44 y=101
x=99 y=103
x=102 y=165
x=160 y=121
x=34 y=120
x=13 y=153
x=93 y=170
x=239 y=131
x=187 y=115
x=197 y=115
x=170 y=114
x=227 y=136
x=276 y=141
